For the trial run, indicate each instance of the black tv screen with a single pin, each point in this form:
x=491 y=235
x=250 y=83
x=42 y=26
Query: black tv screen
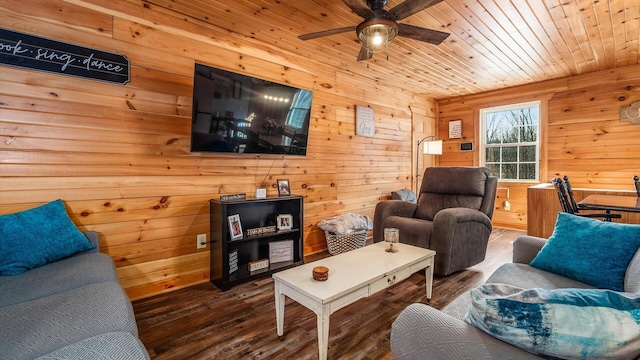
x=234 y=113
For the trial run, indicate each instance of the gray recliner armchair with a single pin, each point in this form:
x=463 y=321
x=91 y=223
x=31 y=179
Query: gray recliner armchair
x=452 y=216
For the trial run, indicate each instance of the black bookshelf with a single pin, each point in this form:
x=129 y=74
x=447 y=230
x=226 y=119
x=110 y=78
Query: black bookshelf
x=253 y=214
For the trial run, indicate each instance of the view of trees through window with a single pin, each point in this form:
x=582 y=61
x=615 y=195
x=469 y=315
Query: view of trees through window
x=300 y=107
x=510 y=139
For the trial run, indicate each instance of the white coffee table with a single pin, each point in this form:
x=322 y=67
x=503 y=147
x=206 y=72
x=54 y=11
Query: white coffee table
x=352 y=276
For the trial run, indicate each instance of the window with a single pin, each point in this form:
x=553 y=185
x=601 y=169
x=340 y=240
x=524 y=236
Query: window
x=300 y=107
x=510 y=141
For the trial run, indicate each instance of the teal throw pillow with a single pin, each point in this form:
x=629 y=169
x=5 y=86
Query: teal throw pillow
x=38 y=236
x=561 y=323
x=591 y=251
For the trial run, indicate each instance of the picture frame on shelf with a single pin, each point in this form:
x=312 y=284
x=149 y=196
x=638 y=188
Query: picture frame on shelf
x=284 y=189
x=284 y=222
x=280 y=251
x=235 y=227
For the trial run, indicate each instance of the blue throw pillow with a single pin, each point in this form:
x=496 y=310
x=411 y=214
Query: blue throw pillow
x=562 y=323
x=589 y=250
x=38 y=236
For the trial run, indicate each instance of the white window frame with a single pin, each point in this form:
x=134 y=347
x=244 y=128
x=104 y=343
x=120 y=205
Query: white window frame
x=483 y=140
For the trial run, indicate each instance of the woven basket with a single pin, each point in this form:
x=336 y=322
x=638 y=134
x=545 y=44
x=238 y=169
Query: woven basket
x=338 y=244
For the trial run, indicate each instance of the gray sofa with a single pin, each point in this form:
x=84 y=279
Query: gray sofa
x=421 y=332
x=73 y=308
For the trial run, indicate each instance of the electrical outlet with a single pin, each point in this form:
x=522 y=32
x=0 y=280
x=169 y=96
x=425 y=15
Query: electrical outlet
x=201 y=241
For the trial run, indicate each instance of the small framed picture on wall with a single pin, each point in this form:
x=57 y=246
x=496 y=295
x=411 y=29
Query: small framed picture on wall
x=283 y=187
x=455 y=129
x=235 y=228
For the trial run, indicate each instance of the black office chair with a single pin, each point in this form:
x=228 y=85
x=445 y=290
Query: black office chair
x=636 y=181
x=568 y=202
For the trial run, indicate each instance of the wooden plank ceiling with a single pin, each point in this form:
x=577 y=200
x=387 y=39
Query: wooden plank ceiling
x=493 y=43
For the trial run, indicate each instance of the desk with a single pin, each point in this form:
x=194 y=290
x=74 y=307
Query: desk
x=611 y=202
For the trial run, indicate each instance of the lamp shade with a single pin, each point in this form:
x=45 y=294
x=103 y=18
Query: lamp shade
x=432 y=147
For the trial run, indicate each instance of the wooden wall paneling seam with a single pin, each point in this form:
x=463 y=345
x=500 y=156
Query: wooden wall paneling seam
x=475 y=137
x=473 y=27
x=497 y=34
x=169 y=283
x=20 y=130
x=574 y=16
x=75 y=17
x=88 y=98
x=588 y=106
x=437 y=74
x=192 y=266
x=511 y=22
x=562 y=47
x=555 y=10
x=180 y=86
x=618 y=20
x=447 y=50
x=540 y=27
x=624 y=74
x=591 y=22
x=84 y=115
x=192 y=29
x=632 y=27
x=543 y=148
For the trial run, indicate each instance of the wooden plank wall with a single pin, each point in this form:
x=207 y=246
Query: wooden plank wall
x=582 y=135
x=119 y=155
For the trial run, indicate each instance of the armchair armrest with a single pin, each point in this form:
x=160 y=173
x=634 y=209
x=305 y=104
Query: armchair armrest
x=460 y=214
x=388 y=208
x=422 y=332
x=459 y=236
x=526 y=247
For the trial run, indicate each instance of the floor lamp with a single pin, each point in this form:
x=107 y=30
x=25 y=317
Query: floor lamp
x=431 y=147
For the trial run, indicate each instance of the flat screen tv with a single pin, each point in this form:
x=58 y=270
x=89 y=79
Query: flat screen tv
x=234 y=113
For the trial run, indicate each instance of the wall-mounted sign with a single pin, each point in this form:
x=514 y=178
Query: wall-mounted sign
x=631 y=113
x=365 y=121
x=455 y=129
x=38 y=53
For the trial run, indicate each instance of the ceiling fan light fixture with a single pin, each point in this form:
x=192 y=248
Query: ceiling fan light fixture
x=381 y=26
x=375 y=34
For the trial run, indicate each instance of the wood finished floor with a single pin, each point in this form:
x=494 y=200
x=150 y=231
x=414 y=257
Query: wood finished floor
x=202 y=322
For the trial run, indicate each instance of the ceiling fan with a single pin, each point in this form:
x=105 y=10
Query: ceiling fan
x=381 y=26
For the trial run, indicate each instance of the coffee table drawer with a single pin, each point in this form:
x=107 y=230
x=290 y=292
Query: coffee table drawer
x=398 y=275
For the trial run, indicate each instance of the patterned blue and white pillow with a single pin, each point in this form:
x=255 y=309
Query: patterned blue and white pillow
x=563 y=323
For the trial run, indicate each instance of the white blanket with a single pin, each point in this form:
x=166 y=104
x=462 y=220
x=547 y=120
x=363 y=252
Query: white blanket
x=346 y=224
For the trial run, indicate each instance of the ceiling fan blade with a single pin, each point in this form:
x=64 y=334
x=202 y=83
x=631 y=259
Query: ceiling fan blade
x=359 y=8
x=410 y=7
x=421 y=34
x=364 y=54
x=326 y=33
